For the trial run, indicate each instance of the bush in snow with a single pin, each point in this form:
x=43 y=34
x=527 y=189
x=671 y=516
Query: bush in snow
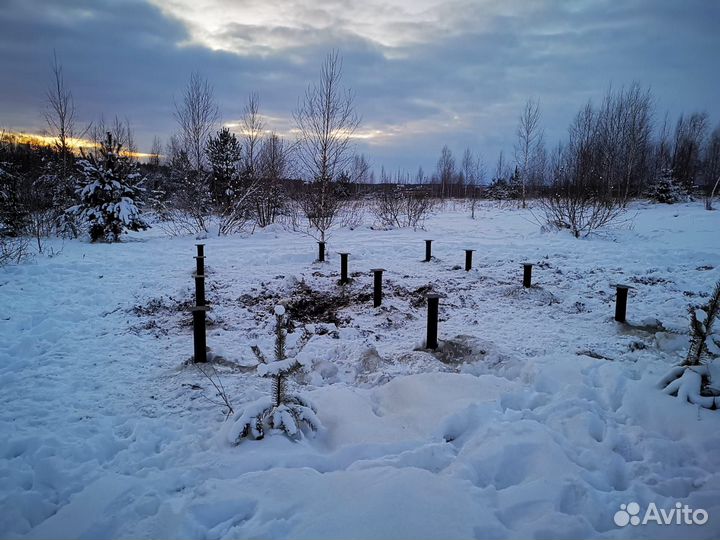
x=108 y=191
x=282 y=411
x=665 y=190
x=501 y=190
x=13 y=250
x=188 y=207
x=28 y=195
x=693 y=380
x=401 y=205
x=14 y=216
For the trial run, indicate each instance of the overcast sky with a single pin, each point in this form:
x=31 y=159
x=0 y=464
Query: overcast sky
x=425 y=72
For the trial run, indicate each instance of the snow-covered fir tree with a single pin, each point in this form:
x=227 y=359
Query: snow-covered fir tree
x=666 y=189
x=109 y=190
x=281 y=411
x=502 y=190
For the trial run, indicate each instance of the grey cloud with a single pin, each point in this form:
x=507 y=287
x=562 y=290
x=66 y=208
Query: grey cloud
x=474 y=61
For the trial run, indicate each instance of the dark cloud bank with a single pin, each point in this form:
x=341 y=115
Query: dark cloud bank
x=457 y=74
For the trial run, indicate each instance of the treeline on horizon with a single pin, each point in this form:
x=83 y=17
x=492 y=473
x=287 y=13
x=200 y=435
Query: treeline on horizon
x=209 y=176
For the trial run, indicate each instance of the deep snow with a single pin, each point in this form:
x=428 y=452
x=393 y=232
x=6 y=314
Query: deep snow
x=542 y=416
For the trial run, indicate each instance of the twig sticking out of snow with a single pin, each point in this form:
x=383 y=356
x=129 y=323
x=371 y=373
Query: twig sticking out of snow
x=701 y=324
x=219 y=388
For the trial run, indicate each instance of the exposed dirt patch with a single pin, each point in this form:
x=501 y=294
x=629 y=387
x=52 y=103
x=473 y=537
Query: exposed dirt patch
x=307 y=305
x=649 y=280
x=162 y=306
x=416 y=297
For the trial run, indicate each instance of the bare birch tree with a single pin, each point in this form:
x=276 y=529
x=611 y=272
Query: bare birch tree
x=155 y=153
x=271 y=168
x=529 y=139
x=474 y=171
x=60 y=117
x=445 y=170
x=252 y=132
x=196 y=115
x=690 y=133
x=326 y=121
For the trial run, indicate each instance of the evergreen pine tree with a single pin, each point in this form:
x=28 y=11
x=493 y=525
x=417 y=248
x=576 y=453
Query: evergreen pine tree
x=224 y=153
x=108 y=193
x=666 y=189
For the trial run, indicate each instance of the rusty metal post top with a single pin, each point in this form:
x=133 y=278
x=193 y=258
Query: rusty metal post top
x=622 y=286
x=428 y=240
x=432 y=295
x=526 y=264
x=470 y=250
x=377 y=269
x=343 y=253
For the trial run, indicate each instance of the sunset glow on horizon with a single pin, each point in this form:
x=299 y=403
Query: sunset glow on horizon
x=76 y=144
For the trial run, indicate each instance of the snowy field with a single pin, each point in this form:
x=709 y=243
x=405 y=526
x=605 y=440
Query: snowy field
x=538 y=419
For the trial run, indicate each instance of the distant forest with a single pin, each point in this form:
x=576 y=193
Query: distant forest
x=209 y=178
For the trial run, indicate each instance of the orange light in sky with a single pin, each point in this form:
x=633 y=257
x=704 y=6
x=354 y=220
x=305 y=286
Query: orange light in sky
x=74 y=143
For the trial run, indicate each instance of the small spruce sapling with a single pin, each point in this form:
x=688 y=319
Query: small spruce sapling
x=282 y=411
x=692 y=380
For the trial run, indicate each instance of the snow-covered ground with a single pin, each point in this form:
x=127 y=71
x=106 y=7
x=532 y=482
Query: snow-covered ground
x=539 y=417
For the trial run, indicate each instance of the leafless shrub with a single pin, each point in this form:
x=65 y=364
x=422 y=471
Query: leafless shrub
x=13 y=250
x=235 y=214
x=272 y=167
x=41 y=224
x=581 y=198
x=581 y=213
x=188 y=209
x=473 y=171
x=352 y=213
x=176 y=222
x=400 y=204
x=317 y=209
